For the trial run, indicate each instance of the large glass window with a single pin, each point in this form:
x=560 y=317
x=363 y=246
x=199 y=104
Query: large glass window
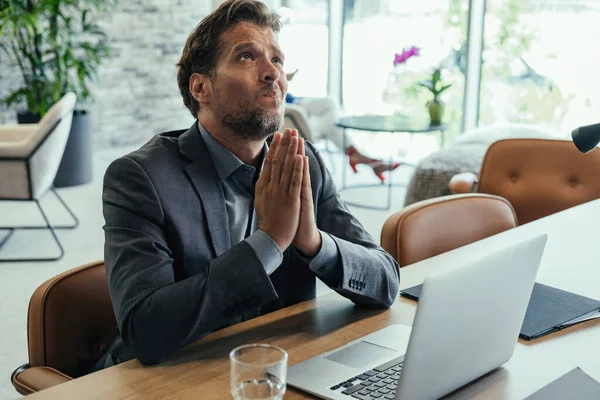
x=376 y=30
x=304 y=39
x=539 y=64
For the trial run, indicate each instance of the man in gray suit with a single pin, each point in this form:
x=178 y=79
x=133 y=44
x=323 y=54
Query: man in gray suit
x=214 y=225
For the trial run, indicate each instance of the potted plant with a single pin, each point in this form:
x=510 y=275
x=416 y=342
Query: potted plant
x=435 y=85
x=57 y=50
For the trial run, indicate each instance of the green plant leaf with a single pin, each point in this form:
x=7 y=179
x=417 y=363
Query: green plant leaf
x=44 y=38
x=16 y=96
x=443 y=88
x=426 y=84
x=30 y=22
x=84 y=14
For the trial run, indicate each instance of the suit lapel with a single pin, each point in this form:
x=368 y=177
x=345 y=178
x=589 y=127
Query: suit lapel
x=203 y=175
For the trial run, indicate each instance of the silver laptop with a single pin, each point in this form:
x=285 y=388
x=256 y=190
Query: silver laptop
x=467 y=324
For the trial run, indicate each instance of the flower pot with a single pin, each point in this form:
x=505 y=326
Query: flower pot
x=436 y=111
x=26 y=117
x=76 y=164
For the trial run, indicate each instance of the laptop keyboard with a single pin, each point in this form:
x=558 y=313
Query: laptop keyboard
x=379 y=383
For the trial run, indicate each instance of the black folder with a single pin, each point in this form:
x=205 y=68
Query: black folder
x=575 y=384
x=549 y=310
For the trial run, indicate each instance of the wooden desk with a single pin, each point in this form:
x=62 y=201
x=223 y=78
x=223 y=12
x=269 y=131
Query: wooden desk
x=201 y=371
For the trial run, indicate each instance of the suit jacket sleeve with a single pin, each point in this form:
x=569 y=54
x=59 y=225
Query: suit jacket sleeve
x=364 y=272
x=155 y=313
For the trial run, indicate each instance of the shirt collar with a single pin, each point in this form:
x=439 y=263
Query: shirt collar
x=225 y=161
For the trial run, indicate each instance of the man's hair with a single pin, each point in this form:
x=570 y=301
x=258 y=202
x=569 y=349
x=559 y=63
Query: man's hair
x=202 y=48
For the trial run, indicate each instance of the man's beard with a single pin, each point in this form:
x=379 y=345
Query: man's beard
x=248 y=121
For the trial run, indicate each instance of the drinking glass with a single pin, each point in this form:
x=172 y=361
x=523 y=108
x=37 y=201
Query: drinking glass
x=258 y=372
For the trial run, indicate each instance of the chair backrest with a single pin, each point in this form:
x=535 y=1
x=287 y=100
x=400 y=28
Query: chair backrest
x=70 y=320
x=49 y=144
x=540 y=177
x=434 y=226
x=296 y=118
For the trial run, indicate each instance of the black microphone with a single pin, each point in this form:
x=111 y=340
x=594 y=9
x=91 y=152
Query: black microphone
x=586 y=138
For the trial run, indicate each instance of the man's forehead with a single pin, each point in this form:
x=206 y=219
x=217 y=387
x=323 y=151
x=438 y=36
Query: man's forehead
x=248 y=33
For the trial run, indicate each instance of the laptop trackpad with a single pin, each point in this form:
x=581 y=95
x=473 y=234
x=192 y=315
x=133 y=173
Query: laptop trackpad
x=360 y=354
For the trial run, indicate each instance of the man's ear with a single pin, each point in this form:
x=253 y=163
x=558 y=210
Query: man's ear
x=200 y=88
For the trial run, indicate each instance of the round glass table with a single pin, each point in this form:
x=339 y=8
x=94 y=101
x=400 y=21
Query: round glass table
x=384 y=123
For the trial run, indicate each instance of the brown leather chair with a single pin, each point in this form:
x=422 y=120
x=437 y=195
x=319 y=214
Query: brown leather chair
x=434 y=226
x=538 y=176
x=70 y=320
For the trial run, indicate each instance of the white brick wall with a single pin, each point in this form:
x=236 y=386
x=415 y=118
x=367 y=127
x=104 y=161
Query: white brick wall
x=137 y=94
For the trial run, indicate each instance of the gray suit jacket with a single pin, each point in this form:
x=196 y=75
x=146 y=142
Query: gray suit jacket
x=172 y=276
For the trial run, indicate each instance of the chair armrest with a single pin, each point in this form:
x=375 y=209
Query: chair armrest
x=30 y=380
x=16 y=140
x=16 y=133
x=463 y=183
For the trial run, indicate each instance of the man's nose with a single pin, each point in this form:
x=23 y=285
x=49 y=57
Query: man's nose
x=270 y=73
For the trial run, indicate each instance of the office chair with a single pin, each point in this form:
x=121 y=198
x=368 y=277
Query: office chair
x=538 y=177
x=70 y=320
x=434 y=226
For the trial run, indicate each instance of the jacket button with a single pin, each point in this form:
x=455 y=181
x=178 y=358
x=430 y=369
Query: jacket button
x=322 y=269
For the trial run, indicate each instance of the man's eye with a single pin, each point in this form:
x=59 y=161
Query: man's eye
x=246 y=56
x=278 y=60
